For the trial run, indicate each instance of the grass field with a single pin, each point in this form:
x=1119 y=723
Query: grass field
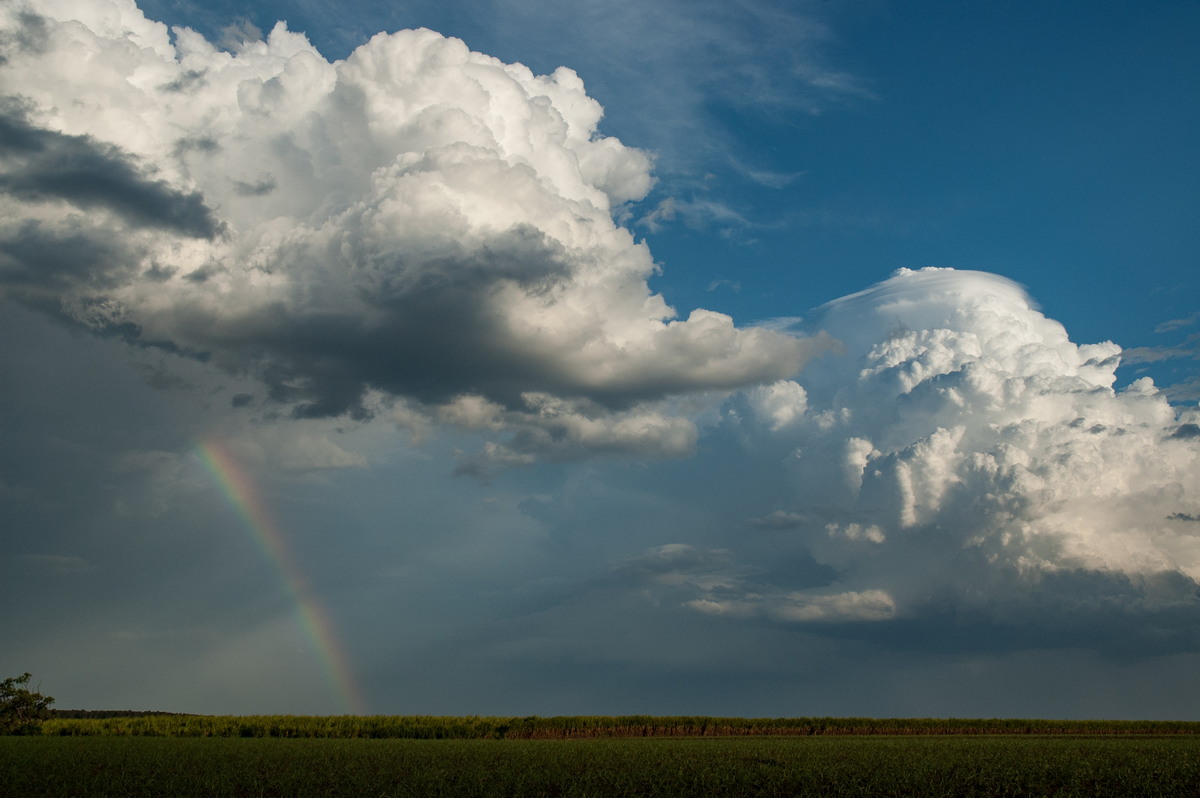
x=854 y=765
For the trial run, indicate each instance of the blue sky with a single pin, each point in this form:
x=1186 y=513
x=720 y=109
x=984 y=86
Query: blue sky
x=846 y=365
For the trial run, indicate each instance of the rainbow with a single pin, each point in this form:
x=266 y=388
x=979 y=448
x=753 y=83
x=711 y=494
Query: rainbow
x=242 y=494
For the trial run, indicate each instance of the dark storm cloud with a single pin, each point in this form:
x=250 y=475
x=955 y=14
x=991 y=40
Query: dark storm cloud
x=40 y=256
x=37 y=164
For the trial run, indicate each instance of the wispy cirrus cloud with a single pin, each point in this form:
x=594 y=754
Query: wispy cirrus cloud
x=682 y=59
x=1177 y=324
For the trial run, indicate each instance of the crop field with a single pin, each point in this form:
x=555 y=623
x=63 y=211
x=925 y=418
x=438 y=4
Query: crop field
x=569 y=727
x=754 y=765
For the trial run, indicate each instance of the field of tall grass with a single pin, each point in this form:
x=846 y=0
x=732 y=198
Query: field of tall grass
x=577 y=727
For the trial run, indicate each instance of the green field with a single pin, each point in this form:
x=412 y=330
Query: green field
x=846 y=765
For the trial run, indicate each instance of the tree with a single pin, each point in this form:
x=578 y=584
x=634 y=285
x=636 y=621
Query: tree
x=22 y=710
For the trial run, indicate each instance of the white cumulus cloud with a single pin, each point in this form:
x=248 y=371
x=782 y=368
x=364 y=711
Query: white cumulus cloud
x=419 y=221
x=960 y=454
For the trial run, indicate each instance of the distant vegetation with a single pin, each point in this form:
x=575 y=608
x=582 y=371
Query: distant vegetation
x=109 y=713
x=573 y=727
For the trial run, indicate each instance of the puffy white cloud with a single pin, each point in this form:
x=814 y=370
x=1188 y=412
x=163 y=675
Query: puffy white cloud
x=781 y=404
x=960 y=454
x=418 y=221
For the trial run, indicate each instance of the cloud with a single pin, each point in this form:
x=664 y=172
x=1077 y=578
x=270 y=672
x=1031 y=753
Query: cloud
x=697 y=214
x=1185 y=431
x=804 y=607
x=961 y=460
x=418 y=222
x=765 y=177
x=780 y=519
x=551 y=429
x=734 y=590
x=732 y=285
x=1177 y=324
x=1186 y=349
x=680 y=563
x=1180 y=387
x=1187 y=390
x=1158 y=354
x=45 y=165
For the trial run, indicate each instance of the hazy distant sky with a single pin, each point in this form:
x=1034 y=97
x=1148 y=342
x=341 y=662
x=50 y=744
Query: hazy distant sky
x=732 y=358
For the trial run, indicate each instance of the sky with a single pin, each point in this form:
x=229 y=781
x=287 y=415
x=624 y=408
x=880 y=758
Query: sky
x=740 y=358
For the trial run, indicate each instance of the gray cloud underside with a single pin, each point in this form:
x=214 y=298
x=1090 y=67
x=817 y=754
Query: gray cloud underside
x=989 y=610
x=37 y=164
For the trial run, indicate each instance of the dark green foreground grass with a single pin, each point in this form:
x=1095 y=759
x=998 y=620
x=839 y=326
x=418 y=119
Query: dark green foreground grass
x=714 y=767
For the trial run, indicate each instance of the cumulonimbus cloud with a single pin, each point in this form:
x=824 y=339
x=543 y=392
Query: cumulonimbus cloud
x=418 y=222
x=962 y=457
